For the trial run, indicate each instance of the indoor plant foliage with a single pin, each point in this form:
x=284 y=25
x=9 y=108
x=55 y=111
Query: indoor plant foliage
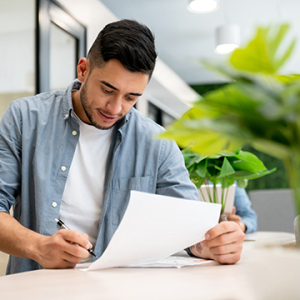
x=260 y=107
x=223 y=168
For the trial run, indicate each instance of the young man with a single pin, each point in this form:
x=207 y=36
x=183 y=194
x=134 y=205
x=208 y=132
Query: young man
x=76 y=155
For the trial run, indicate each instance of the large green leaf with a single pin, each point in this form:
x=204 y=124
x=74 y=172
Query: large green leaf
x=250 y=176
x=262 y=54
x=247 y=161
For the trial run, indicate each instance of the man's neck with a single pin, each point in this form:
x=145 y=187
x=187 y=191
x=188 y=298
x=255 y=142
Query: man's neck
x=77 y=106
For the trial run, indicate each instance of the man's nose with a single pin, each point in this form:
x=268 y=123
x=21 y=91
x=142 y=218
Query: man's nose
x=114 y=105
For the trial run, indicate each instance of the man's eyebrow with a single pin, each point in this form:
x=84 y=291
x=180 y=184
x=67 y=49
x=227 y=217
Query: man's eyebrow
x=116 y=89
x=109 y=85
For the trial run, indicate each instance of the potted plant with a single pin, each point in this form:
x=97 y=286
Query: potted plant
x=223 y=168
x=259 y=107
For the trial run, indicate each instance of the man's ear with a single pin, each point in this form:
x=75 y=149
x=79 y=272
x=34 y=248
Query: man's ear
x=83 y=69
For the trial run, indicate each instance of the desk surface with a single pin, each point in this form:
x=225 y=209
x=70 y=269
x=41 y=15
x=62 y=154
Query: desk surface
x=264 y=272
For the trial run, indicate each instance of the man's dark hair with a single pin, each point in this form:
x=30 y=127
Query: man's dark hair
x=127 y=41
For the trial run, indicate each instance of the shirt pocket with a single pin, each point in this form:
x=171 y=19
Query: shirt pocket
x=121 y=194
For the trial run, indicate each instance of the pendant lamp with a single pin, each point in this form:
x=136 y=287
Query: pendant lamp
x=227 y=38
x=203 y=6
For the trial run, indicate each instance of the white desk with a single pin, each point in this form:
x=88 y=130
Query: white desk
x=261 y=274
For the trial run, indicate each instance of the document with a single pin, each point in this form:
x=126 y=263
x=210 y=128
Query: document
x=154 y=227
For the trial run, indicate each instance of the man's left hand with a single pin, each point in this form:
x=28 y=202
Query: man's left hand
x=223 y=243
x=236 y=218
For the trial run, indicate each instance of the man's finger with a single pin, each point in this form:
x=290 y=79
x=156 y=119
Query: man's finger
x=234 y=218
x=71 y=259
x=226 y=249
x=221 y=228
x=230 y=258
x=233 y=210
x=76 y=237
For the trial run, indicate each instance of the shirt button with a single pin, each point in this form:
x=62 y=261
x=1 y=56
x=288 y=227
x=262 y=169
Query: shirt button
x=74 y=132
x=63 y=168
x=54 y=204
x=66 y=116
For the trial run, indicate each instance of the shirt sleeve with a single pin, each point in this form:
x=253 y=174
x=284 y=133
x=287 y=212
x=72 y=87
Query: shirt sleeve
x=242 y=204
x=10 y=157
x=173 y=177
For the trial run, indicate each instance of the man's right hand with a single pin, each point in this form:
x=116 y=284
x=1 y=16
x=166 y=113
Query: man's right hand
x=64 y=249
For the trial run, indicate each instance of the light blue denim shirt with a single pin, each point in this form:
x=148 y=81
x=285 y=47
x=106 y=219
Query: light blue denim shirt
x=242 y=204
x=36 y=140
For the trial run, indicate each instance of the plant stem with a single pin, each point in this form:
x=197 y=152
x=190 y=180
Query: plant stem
x=203 y=195
x=215 y=193
x=208 y=193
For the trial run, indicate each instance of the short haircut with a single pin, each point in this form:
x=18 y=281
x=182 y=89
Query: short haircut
x=129 y=42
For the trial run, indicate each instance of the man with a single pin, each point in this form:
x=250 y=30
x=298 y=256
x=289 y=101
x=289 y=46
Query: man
x=76 y=155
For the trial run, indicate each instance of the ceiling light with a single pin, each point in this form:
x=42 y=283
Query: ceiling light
x=203 y=6
x=228 y=38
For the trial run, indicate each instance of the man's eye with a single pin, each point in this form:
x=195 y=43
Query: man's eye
x=107 y=91
x=130 y=98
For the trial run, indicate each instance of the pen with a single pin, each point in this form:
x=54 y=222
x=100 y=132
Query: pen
x=61 y=224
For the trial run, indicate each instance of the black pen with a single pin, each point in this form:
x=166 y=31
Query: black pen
x=61 y=224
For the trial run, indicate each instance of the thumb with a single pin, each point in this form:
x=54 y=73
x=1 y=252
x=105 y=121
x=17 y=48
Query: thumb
x=233 y=210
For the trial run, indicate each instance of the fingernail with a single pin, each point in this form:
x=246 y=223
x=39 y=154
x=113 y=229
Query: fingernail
x=88 y=246
x=207 y=236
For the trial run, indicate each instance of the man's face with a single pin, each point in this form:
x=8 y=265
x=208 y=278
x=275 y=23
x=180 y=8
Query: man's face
x=108 y=93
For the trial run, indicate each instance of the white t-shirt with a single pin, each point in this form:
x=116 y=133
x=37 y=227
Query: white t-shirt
x=83 y=194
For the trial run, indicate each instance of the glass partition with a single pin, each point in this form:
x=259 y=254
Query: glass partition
x=17 y=50
x=63 y=58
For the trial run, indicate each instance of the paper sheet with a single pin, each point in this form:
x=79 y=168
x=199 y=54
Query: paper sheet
x=155 y=227
x=173 y=262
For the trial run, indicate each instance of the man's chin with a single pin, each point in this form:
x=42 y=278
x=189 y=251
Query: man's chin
x=106 y=126
x=98 y=126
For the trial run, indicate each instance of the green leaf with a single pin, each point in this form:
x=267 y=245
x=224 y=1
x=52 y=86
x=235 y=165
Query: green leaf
x=286 y=55
x=201 y=168
x=242 y=183
x=226 y=169
x=250 y=176
x=249 y=162
x=254 y=57
x=261 y=55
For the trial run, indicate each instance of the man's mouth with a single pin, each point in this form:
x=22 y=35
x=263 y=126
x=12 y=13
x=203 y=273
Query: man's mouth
x=107 y=118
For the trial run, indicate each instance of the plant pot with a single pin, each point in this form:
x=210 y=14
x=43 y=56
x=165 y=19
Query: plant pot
x=222 y=217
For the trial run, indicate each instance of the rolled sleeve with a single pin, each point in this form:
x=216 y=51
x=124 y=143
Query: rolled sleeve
x=173 y=177
x=10 y=158
x=244 y=210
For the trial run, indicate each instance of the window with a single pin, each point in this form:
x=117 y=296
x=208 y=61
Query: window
x=159 y=116
x=61 y=43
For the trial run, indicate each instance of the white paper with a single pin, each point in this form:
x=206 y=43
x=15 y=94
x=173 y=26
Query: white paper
x=230 y=191
x=173 y=262
x=155 y=227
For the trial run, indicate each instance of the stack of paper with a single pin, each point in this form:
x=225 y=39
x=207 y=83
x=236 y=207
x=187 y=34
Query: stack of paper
x=155 y=227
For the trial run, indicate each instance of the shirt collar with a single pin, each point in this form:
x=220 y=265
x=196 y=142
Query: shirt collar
x=68 y=104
